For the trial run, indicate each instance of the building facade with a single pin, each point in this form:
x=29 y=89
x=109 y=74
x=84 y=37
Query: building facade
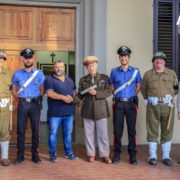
x=100 y=27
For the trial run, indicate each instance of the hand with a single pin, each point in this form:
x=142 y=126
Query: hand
x=92 y=91
x=67 y=99
x=178 y=116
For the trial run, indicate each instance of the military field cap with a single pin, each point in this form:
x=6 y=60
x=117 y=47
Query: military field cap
x=2 y=54
x=124 y=50
x=89 y=60
x=27 y=53
x=159 y=54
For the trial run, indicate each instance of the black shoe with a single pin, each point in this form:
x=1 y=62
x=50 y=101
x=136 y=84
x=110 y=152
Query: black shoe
x=133 y=160
x=53 y=157
x=167 y=162
x=36 y=159
x=18 y=160
x=152 y=161
x=116 y=158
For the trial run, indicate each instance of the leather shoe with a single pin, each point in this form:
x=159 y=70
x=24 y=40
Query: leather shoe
x=91 y=158
x=116 y=158
x=18 y=160
x=167 y=162
x=133 y=160
x=106 y=160
x=5 y=162
x=36 y=159
x=152 y=161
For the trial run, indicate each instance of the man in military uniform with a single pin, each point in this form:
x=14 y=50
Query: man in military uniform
x=93 y=91
x=158 y=89
x=125 y=82
x=5 y=101
x=28 y=87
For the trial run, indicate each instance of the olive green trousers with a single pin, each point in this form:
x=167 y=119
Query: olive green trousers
x=157 y=119
x=4 y=124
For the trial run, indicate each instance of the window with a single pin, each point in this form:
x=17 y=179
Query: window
x=166 y=36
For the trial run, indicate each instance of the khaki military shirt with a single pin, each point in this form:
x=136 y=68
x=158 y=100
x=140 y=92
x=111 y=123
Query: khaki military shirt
x=5 y=83
x=155 y=84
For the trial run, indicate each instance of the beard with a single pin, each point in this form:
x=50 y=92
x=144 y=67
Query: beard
x=124 y=64
x=59 y=73
x=28 y=65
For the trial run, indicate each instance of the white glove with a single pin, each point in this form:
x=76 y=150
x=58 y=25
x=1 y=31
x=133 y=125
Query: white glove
x=11 y=108
x=145 y=102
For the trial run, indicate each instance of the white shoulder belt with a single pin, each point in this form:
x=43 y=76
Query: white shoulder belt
x=28 y=81
x=128 y=83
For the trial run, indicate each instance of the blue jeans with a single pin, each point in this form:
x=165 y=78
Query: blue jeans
x=67 y=128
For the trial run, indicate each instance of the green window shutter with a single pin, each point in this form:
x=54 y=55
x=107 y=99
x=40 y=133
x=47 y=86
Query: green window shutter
x=166 y=37
x=165 y=30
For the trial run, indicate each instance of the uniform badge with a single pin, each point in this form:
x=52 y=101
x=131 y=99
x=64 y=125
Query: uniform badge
x=101 y=83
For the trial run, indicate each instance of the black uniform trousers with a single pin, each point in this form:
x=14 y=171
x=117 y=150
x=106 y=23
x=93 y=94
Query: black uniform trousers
x=25 y=110
x=128 y=110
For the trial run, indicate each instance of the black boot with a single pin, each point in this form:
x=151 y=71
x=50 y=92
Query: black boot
x=35 y=158
x=116 y=158
x=133 y=160
x=19 y=159
x=152 y=161
x=167 y=162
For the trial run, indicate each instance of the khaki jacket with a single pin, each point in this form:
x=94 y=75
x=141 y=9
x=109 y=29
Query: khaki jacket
x=156 y=84
x=5 y=83
x=94 y=107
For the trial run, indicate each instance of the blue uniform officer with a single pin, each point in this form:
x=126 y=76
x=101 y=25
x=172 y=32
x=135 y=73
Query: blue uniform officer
x=28 y=87
x=125 y=82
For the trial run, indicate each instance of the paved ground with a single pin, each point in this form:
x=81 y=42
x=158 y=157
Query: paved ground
x=82 y=170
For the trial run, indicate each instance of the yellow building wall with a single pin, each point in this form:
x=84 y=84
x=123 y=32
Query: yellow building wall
x=130 y=22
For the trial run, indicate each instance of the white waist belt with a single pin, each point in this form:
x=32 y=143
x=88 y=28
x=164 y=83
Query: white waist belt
x=167 y=99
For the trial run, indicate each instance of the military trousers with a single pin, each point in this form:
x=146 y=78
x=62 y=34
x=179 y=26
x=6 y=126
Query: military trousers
x=25 y=110
x=157 y=116
x=122 y=110
x=4 y=124
x=96 y=131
